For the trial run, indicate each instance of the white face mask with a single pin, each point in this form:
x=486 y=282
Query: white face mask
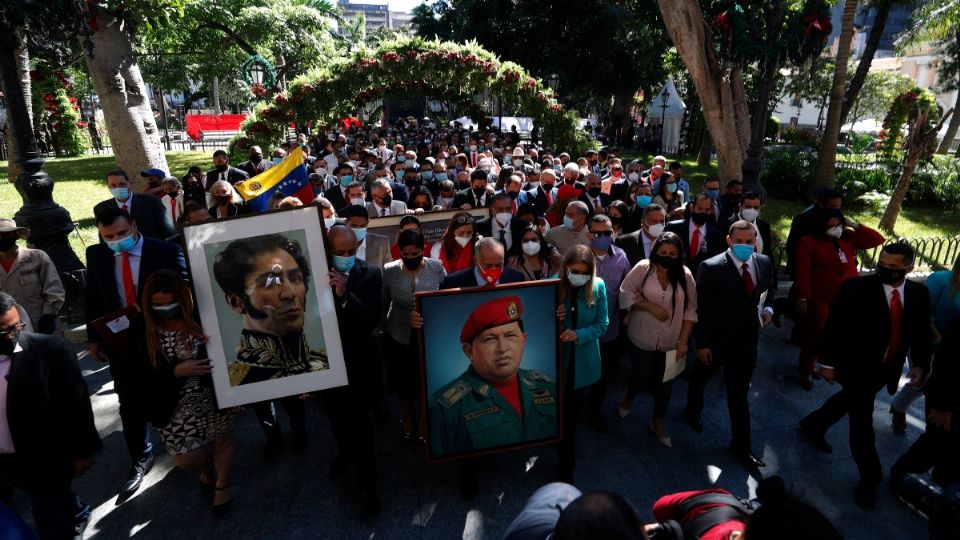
x=462 y=240
x=656 y=229
x=503 y=217
x=518 y=163
x=329 y=222
x=634 y=176
x=531 y=247
x=835 y=232
x=750 y=214
x=357 y=201
x=534 y=185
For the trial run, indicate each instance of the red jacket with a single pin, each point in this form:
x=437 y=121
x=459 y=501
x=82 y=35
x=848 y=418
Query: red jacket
x=821 y=269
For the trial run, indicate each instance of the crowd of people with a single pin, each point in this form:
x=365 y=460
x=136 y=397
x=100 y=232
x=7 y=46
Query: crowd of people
x=650 y=267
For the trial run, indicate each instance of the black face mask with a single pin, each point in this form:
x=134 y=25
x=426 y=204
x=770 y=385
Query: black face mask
x=479 y=192
x=615 y=220
x=256 y=159
x=222 y=168
x=412 y=263
x=7 y=243
x=513 y=194
x=891 y=276
x=224 y=200
x=386 y=200
x=569 y=181
x=667 y=262
x=699 y=218
x=594 y=192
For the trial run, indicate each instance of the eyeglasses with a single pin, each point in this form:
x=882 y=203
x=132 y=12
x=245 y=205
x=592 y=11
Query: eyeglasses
x=598 y=234
x=11 y=333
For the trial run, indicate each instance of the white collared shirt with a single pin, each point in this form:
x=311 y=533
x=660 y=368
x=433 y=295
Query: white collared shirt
x=495 y=229
x=135 y=254
x=647 y=243
x=751 y=266
x=128 y=202
x=6 y=439
x=362 y=250
x=888 y=292
x=380 y=209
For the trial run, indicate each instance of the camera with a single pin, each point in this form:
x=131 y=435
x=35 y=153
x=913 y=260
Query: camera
x=941 y=506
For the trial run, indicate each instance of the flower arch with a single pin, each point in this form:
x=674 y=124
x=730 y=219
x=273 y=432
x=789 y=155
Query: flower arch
x=442 y=70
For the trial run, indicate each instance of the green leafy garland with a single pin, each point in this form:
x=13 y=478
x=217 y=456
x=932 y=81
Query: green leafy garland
x=269 y=74
x=453 y=72
x=904 y=111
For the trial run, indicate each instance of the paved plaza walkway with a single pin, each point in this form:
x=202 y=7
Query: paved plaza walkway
x=290 y=497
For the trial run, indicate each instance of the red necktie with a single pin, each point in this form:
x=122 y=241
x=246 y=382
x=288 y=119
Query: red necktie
x=473 y=159
x=896 y=314
x=124 y=207
x=694 y=245
x=173 y=209
x=128 y=290
x=514 y=206
x=549 y=197
x=748 y=280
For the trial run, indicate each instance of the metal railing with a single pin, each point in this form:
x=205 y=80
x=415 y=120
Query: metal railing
x=933 y=253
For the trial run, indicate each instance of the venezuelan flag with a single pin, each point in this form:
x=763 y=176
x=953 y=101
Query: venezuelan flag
x=288 y=177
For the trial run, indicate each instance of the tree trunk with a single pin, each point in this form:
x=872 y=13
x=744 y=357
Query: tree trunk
x=706 y=148
x=889 y=219
x=123 y=97
x=869 y=51
x=216 y=96
x=23 y=70
x=719 y=87
x=621 y=114
x=825 y=175
x=954 y=125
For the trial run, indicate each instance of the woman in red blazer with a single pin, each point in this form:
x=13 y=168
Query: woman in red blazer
x=824 y=261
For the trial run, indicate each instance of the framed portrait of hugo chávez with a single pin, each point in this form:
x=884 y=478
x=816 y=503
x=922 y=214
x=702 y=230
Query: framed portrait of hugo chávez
x=490 y=365
x=266 y=305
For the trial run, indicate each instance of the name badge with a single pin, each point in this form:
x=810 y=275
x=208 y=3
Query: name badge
x=119 y=324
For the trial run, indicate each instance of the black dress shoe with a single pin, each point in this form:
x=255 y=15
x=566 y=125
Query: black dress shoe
x=369 y=503
x=693 y=421
x=749 y=459
x=137 y=472
x=816 y=439
x=220 y=510
x=865 y=495
x=298 y=442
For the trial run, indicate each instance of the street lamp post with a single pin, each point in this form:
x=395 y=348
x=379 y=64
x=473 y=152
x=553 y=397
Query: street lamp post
x=664 y=97
x=49 y=223
x=553 y=82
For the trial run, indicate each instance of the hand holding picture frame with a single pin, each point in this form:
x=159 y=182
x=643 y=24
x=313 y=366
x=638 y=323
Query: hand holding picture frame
x=490 y=364
x=266 y=306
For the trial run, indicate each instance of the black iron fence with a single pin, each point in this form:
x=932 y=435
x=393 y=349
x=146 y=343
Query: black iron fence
x=933 y=253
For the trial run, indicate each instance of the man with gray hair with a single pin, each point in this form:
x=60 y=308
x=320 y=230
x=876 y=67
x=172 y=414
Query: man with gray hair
x=488 y=268
x=383 y=204
x=172 y=198
x=574 y=229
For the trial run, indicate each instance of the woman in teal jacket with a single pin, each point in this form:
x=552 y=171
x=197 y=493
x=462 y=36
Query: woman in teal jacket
x=584 y=318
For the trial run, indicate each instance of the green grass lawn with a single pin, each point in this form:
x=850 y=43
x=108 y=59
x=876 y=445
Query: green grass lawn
x=80 y=185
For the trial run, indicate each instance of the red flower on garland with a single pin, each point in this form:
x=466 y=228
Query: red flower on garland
x=280 y=99
x=723 y=22
x=81 y=124
x=412 y=55
x=391 y=56
x=530 y=84
x=816 y=22
x=258 y=90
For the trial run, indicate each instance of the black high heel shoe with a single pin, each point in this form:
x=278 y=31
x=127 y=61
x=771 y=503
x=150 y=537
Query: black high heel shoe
x=219 y=510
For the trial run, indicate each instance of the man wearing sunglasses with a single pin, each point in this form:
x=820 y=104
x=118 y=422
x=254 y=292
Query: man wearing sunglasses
x=47 y=433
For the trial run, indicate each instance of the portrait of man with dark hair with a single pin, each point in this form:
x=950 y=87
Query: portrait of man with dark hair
x=265 y=280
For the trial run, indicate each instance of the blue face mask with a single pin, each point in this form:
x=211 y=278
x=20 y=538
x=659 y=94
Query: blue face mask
x=567 y=222
x=346 y=180
x=440 y=176
x=602 y=243
x=713 y=193
x=578 y=280
x=361 y=234
x=672 y=188
x=401 y=159
x=122 y=245
x=556 y=168
x=644 y=201
x=344 y=264
x=742 y=251
x=120 y=193
x=427 y=175
x=276 y=159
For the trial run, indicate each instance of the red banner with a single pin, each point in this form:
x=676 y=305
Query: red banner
x=212 y=122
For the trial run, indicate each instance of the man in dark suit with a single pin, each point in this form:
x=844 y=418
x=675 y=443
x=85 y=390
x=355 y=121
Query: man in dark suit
x=255 y=165
x=488 y=268
x=117 y=270
x=356 y=290
x=750 y=205
x=730 y=286
x=637 y=245
x=47 y=433
x=476 y=195
x=541 y=196
x=874 y=322
x=701 y=237
x=223 y=171
x=502 y=225
x=148 y=211
x=596 y=201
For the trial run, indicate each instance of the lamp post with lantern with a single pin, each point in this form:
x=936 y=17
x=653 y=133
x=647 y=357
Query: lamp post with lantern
x=664 y=98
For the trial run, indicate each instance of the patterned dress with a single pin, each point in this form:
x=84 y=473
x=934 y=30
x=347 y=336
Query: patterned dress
x=196 y=421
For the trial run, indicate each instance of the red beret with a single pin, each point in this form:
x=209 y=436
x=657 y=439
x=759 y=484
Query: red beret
x=490 y=314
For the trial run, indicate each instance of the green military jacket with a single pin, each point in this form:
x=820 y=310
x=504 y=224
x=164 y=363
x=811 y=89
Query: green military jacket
x=468 y=414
